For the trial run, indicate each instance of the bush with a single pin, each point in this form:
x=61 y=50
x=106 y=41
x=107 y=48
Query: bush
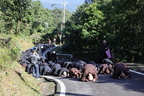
x=9 y=52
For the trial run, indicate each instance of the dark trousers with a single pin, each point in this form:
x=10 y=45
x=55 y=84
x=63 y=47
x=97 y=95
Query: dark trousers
x=35 y=71
x=28 y=68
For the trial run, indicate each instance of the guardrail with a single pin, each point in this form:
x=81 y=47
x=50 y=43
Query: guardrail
x=45 y=53
x=66 y=56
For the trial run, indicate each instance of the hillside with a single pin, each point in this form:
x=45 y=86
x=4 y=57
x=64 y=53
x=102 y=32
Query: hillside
x=14 y=81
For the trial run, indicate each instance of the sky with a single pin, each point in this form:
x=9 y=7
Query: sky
x=71 y=4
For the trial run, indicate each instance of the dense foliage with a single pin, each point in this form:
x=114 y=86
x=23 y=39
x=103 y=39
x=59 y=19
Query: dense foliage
x=84 y=28
x=23 y=19
x=26 y=17
x=126 y=28
x=120 y=22
x=9 y=51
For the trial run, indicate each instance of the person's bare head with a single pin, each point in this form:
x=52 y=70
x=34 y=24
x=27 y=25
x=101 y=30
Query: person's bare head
x=122 y=75
x=64 y=74
x=104 y=41
x=107 y=71
x=90 y=77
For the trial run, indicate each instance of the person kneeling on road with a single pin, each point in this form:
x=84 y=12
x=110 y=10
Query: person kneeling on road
x=106 y=69
x=55 y=69
x=45 y=69
x=74 y=73
x=121 y=71
x=89 y=73
x=107 y=61
x=64 y=72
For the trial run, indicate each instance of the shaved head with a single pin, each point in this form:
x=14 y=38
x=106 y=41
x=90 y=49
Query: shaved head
x=64 y=74
x=90 y=77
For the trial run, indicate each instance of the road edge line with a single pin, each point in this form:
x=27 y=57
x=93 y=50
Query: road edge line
x=137 y=72
x=62 y=85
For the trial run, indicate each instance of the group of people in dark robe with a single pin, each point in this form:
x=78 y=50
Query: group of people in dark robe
x=33 y=61
x=84 y=69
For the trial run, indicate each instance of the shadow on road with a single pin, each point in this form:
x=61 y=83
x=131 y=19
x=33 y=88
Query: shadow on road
x=135 y=83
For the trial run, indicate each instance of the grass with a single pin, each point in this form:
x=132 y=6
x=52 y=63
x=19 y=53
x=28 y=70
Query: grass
x=14 y=81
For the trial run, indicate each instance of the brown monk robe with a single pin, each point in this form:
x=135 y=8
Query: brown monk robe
x=87 y=71
x=74 y=73
x=106 y=69
x=121 y=71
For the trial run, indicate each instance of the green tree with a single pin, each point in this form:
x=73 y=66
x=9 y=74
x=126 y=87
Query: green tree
x=125 y=28
x=13 y=12
x=56 y=28
x=84 y=28
x=120 y=22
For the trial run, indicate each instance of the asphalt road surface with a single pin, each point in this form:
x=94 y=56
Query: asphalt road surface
x=104 y=86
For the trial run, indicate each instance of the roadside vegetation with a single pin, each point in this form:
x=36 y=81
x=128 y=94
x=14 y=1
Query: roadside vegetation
x=14 y=81
x=120 y=22
x=25 y=22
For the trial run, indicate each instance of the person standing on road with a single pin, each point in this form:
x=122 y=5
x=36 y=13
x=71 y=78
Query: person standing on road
x=104 y=48
x=34 y=66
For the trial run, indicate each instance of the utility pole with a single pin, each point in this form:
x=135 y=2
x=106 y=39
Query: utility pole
x=63 y=20
x=64 y=13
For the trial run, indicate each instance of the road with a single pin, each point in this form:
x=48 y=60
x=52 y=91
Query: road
x=104 y=86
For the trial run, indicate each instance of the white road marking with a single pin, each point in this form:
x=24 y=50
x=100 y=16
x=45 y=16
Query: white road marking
x=62 y=85
x=63 y=88
x=137 y=72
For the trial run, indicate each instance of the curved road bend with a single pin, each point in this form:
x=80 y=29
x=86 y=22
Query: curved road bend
x=104 y=86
